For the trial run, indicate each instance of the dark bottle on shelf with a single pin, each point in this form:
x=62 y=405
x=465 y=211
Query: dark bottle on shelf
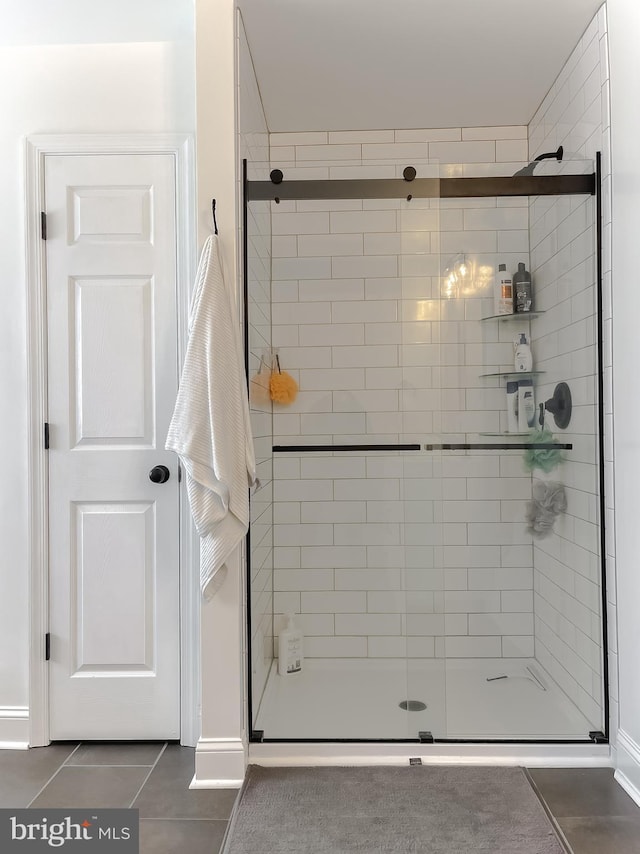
x=522 y=290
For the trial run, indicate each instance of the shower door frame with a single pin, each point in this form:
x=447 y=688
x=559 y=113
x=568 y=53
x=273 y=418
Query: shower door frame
x=409 y=187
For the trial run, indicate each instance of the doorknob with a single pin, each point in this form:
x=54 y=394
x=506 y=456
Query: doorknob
x=159 y=474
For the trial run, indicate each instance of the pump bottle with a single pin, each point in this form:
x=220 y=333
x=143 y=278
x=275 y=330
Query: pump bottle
x=523 y=360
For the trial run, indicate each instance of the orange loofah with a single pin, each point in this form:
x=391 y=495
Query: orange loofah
x=282 y=386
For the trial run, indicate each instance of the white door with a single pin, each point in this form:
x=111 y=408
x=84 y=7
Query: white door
x=112 y=381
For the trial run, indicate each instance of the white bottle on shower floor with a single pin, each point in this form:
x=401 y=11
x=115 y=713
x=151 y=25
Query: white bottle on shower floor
x=290 y=651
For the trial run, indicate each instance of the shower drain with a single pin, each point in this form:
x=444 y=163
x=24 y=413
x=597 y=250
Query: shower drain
x=413 y=705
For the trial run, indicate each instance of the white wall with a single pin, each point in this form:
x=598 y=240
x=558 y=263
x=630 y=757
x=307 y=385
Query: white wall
x=221 y=749
x=64 y=79
x=624 y=59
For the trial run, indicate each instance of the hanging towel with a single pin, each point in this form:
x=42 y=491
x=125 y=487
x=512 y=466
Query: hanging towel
x=210 y=429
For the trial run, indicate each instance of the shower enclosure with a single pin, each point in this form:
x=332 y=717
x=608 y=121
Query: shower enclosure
x=446 y=570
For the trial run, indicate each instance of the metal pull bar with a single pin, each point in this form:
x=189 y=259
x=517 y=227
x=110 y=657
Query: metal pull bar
x=284 y=449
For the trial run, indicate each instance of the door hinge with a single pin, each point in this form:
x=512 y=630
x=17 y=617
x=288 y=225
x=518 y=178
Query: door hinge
x=47 y=646
x=43 y=225
x=46 y=435
x=598 y=737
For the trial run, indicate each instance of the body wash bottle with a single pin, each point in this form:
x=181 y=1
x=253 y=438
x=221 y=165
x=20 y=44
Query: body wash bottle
x=526 y=406
x=512 y=406
x=290 y=653
x=523 y=357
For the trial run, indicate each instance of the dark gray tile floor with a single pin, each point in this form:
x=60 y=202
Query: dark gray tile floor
x=593 y=812
x=150 y=777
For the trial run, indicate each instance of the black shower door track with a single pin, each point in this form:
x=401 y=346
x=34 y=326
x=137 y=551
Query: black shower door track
x=444 y=188
x=421 y=188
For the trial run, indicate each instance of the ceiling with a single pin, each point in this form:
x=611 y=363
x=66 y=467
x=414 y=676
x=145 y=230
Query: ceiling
x=368 y=64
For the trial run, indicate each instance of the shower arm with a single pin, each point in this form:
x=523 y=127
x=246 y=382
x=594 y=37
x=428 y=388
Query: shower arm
x=550 y=155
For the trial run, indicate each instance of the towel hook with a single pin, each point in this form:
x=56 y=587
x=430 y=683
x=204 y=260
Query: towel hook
x=213 y=211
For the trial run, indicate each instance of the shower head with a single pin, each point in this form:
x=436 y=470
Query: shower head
x=551 y=155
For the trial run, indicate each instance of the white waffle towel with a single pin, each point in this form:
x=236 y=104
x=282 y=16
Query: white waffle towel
x=210 y=428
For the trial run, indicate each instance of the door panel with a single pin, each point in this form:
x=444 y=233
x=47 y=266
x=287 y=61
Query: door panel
x=113 y=587
x=112 y=382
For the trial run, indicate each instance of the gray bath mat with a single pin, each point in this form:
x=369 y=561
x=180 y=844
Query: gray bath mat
x=410 y=810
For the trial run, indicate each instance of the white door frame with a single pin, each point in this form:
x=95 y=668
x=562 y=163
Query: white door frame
x=37 y=147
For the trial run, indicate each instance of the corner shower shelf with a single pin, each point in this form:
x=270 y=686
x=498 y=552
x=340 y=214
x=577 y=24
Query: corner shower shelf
x=504 y=434
x=514 y=374
x=516 y=315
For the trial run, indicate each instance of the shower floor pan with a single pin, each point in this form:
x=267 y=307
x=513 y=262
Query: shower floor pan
x=465 y=699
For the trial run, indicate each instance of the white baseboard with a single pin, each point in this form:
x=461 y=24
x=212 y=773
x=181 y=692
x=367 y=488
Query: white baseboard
x=14 y=727
x=220 y=763
x=628 y=765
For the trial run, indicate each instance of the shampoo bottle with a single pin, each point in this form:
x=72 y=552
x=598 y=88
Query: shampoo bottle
x=290 y=653
x=522 y=289
x=526 y=406
x=523 y=358
x=503 y=295
x=512 y=406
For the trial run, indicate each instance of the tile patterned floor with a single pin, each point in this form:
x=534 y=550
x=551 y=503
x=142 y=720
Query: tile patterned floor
x=594 y=813
x=151 y=777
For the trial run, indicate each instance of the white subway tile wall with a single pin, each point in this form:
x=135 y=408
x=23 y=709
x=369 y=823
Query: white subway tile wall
x=254 y=147
x=382 y=555
x=567 y=599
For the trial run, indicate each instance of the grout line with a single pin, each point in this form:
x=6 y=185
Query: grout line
x=108 y=765
x=75 y=750
x=55 y=773
x=144 y=782
x=562 y=839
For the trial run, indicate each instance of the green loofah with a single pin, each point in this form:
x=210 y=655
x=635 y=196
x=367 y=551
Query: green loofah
x=542 y=458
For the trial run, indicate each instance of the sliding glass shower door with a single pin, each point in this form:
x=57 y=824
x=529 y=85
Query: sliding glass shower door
x=429 y=510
